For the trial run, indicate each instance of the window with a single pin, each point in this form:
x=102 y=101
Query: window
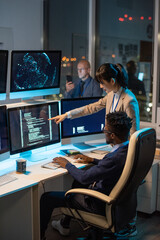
x=66 y=29
x=124 y=35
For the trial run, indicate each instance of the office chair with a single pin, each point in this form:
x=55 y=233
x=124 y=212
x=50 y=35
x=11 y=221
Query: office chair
x=122 y=201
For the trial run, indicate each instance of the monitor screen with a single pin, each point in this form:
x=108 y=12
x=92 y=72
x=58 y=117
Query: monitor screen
x=3 y=73
x=35 y=73
x=4 y=144
x=29 y=127
x=140 y=76
x=83 y=128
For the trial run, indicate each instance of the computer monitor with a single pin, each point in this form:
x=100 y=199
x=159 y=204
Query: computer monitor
x=30 y=129
x=4 y=143
x=140 y=76
x=35 y=73
x=3 y=73
x=81 y=129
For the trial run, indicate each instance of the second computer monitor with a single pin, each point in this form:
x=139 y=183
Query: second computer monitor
x=29 y=127
x=84 y=128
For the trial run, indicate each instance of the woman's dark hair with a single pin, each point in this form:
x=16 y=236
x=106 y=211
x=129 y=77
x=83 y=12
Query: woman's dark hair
x=119 y=124
x=108 y=70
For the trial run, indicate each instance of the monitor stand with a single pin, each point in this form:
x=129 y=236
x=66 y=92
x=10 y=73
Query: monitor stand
x=4 y=156
x=33 y=157
x=83 y=145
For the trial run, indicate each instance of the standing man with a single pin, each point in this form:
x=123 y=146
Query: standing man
x=134 y=84
x=85 y=86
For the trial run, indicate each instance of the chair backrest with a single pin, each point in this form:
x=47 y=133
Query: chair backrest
x=139 y=160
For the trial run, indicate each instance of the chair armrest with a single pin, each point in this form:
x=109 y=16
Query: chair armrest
x=91 y=193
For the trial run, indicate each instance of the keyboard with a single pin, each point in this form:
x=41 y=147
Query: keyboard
x=53 y=165
x=6 y=178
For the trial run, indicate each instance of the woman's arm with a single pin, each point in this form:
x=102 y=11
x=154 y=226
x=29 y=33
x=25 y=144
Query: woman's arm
x=132 y=110
x=89 y=109
x=82 y=111
x=59 y=118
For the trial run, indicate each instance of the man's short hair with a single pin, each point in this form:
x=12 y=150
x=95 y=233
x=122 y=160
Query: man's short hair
x=119 y=124
x=131 y=67
x=85 y=62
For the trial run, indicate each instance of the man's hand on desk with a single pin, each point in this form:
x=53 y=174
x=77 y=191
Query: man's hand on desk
x=61 y=161
x=83 y=159
x=80 y=158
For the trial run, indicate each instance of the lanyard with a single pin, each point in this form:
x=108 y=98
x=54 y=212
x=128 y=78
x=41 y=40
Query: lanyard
x=113 y=110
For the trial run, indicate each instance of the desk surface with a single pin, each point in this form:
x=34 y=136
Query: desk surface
x=34 y=172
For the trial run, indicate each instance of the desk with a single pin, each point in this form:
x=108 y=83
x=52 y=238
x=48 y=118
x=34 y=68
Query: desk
x=19 y=200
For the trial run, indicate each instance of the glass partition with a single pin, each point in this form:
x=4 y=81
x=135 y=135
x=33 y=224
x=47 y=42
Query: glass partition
x=66 y=29
x=124 y=35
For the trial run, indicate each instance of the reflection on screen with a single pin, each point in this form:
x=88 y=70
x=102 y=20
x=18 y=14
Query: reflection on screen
x=32 y=70
x=140 y=76
x=29 y=126
x=90 y=124
x=4 y=147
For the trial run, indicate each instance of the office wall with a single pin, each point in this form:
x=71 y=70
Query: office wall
x=21 y=24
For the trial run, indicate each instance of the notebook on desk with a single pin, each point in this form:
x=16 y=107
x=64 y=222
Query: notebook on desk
x=70 y=152
x=103 y=150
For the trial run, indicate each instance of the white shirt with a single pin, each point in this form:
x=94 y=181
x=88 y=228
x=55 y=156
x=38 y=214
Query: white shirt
x=115 y=147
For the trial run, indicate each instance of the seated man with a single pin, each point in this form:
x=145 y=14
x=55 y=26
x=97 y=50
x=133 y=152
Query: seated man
x=98 y=177
x=85 y=86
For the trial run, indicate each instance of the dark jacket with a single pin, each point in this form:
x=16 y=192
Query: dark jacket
x=91 y=89
x=104 y=172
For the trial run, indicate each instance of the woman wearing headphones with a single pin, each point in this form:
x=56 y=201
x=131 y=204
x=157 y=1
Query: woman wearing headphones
x=113 y=79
